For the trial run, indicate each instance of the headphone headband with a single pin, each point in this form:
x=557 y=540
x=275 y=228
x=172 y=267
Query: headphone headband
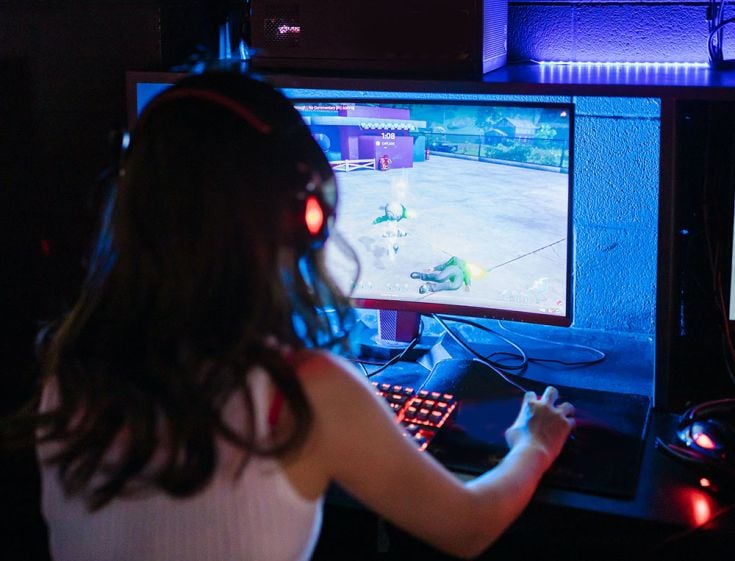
x=707 y=408
x=308 y=219
x=213 y=97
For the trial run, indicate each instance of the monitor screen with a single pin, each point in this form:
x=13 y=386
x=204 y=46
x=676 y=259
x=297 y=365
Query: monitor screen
x=452 y=207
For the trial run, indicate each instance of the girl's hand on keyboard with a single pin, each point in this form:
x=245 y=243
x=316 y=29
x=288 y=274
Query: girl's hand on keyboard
x=542 y=424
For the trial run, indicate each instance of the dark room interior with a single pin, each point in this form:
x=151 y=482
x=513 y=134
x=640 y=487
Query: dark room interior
x=649 y=261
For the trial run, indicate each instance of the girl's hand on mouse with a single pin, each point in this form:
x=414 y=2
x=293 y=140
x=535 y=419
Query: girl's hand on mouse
x=542 y=424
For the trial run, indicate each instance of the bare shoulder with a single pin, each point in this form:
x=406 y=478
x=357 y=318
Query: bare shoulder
x=337 y=391
x=325 y=375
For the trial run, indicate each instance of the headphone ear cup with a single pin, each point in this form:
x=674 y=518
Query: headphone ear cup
x=314 y=217
x=307 y=221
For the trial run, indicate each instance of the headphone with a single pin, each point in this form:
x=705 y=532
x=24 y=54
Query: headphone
x=705 y=438
x=307 y=217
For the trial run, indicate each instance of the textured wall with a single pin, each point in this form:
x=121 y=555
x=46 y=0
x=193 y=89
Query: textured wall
x=615 y=182
x=610 y=31
x=616 y=213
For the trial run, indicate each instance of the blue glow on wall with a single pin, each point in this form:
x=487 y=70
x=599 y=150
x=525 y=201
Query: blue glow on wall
x=617 y=73
x=615 y=183
x=626 y=65
x=610 y=31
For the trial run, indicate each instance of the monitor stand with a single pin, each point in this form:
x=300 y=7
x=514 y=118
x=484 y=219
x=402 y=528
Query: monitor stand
x=393 y=333
x=395 y=326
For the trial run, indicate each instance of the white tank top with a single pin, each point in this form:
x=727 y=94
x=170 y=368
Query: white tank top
x=257 y=516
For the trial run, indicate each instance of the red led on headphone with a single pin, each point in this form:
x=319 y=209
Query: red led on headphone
x=313 y=215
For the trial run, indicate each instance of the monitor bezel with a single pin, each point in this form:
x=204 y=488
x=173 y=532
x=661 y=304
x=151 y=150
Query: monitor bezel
x=135 y=77
x=564 y=320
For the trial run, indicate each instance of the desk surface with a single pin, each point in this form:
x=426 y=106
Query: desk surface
x=666 y=493
x=669 y=513
x=628 y=366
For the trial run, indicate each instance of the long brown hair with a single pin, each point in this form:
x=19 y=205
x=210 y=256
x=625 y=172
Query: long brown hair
x=197 y=266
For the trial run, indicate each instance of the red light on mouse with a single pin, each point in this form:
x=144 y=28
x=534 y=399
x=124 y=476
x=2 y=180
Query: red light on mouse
x=313 y=216
x=704 y=441
x=704 y=482
x=701 y=509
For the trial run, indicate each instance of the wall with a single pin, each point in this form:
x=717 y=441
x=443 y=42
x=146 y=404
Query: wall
x=616 y=213
x=74 y=56
x=639 y=31
x=62 y=90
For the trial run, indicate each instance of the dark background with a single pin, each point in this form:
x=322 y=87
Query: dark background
x=62 y=91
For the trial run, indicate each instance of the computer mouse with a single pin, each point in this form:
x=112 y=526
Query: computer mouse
x=711 y=437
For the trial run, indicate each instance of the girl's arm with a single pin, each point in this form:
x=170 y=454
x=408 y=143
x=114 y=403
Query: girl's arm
x=357 y=443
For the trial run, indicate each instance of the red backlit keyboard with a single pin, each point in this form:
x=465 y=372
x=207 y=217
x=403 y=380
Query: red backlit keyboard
x=422 y=413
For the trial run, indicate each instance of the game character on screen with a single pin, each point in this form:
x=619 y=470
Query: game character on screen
x=453 y=274
x=393 y=213
x=384 y=162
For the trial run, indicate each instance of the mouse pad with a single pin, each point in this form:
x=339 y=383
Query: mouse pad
x=602 y=456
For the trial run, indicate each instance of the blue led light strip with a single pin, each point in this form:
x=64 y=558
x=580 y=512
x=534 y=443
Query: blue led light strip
x=624 y=64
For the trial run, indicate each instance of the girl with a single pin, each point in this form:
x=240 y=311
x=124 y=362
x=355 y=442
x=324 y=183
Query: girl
x=190 y=409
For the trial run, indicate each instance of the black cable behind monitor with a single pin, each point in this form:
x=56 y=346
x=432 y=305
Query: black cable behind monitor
x=716 y=24
x=510 y=363
x=522 y=356
x=702 y=349
x=408 y=348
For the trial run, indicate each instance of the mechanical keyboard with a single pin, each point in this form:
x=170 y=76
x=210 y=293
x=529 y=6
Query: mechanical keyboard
x=422 y=413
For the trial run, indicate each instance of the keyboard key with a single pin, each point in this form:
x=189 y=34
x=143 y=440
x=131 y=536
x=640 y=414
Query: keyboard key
x=421 y=413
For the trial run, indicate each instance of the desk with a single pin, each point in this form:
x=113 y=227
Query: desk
x=667 y=503
x=669 y=518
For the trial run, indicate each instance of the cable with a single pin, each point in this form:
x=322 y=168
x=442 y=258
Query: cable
x=396 y=358
x=600 y=354
x=480 y=357
x=697 y=409
x=521 y=356
x=716 y=23
x=500 y=367
x=717 y=227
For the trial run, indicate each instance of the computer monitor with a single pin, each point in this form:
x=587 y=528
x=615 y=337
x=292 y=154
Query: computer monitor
x=453 y=207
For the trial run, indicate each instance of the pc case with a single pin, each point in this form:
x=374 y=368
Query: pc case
x=463 y=38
